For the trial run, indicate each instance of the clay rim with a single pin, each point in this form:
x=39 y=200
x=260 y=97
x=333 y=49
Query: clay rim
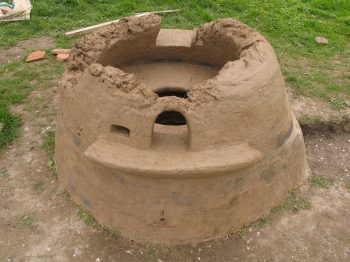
x=254 y=55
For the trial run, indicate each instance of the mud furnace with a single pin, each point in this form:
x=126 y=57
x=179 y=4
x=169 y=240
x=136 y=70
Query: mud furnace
x=176 y=136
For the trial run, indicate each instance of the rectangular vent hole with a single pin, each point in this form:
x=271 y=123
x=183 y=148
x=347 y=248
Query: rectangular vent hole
x=120 y=130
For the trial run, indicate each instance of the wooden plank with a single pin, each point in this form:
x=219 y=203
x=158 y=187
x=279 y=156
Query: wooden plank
x=89 y=29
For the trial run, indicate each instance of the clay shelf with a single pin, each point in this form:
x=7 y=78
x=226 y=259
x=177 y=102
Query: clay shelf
x=171 y=165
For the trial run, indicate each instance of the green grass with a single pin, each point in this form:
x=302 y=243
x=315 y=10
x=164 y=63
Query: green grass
x=242 y=231
x=4 y=176
x=49 y=143
x=26 y=220
x=64 y=193
x=290 y=26
x=320 y=181
x=320 y=77
x=90 y=221
x=155 y=250
x=12 y=90
x=258 y=224
x=86 y=217
x=311 y=120
x=262 y=222
x=38 y=185
x=347 y=185
x=49 y=147
x=17 y=80
x=293 y=203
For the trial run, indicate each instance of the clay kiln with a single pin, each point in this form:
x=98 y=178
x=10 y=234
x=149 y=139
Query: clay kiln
x=176 y=136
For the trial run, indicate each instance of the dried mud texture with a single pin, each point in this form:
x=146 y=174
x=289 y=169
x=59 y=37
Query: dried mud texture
x=89 y=49
x=222 y=41
x=115 y=78
x=239 y=153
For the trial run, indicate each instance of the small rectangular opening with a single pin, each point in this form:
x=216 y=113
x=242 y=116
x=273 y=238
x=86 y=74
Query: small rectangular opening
x=120 y=130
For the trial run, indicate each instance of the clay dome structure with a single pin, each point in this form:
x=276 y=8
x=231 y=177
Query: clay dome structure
x=176 y=136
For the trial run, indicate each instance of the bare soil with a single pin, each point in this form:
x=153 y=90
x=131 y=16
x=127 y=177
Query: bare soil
x=38 y=221
x=313 y=108
x=13 y=53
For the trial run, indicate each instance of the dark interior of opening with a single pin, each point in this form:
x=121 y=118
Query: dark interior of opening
x=171 y=118
x=120 y=130
x=172 y=91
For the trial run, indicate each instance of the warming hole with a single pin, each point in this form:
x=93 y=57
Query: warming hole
x=172 y=91
x=120 y=130
x=171 y=118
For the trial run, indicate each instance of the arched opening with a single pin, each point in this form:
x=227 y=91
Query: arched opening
x=172 y=91
x=170 y=132
x=120 y=130
x=171 y=118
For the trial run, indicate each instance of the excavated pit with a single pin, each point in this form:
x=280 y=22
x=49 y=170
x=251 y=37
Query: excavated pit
x=176 y=136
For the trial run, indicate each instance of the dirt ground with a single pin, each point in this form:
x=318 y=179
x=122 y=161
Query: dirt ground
x=38 y=221
x=13 y=53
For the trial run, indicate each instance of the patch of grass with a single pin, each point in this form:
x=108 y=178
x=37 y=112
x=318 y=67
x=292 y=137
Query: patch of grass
x=112 y=232
x=4 y=176
x=320 y=77
x=90 y=220
x=16 y=82
x=293 y=203
x=262 y=222
x=258 y=224
x=290 y=25
x=155 y=250
x=6 y=191
x=320 y=181
x=49 y=143
x=34 y=106
x=26 y=220
x=310 y=120
x=49 y=147
x=52 y=167
x=38 y=185
x=347 y=185
x=64 y=193
x=243 y=231
x=86 y=217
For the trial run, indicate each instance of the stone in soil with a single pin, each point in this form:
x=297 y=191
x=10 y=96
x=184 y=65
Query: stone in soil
x=35 y=56
x=62 y=57
x=321 y=40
